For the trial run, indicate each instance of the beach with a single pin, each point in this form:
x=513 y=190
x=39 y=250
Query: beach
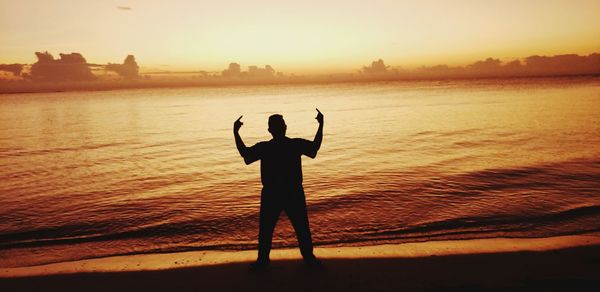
x=564 y=263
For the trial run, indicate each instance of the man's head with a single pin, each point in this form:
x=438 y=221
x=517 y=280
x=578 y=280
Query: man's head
x=277 y=126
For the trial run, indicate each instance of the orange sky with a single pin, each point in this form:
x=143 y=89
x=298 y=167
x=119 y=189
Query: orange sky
x=296 y=36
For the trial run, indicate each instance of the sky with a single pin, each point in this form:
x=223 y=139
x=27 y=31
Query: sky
x=308 y=36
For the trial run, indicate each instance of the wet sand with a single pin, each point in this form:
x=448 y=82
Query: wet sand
x=567 y=263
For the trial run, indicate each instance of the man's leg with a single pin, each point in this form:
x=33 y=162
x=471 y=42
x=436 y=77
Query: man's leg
x=269 y=214
x=296 y=211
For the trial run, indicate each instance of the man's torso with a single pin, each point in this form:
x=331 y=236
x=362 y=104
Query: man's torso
x=281 y=164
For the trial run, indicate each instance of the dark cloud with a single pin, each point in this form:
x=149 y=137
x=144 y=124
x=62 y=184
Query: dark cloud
x=376 y=67
x=558 y=65
x=15 y=69
x=235 y=70
x=531 y=66
x=563 y=64
x=70 y=67
x=129 y=69
x=254 y=71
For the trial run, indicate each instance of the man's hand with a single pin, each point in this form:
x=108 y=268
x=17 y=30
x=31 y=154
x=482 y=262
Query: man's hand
x=237 y=124
x=319 y=117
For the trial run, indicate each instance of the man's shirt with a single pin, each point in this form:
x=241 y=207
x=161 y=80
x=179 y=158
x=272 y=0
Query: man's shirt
x=280 y=163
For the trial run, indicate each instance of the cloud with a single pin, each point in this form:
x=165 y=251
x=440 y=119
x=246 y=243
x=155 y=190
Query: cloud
x=234 y=70
x=254 y=71
x=559 y=65
x=570 y=64
x=124 y=8
x=15 y=69
x=129 y=69
x=376 y=67
x=70 y=67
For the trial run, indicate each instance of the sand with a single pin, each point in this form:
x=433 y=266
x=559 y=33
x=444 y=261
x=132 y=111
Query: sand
x=566 y=263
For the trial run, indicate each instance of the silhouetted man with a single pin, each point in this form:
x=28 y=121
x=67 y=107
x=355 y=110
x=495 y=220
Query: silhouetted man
x=281 y=176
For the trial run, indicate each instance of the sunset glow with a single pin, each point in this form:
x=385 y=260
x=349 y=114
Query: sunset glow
x=301 y=145
x=297 y=36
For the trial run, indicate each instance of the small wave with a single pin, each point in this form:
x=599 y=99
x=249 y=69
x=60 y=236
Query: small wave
x=494 y=224
x=80 y=233
x=24 y=152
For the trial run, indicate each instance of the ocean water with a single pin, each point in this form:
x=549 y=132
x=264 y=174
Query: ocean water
x=94 y=174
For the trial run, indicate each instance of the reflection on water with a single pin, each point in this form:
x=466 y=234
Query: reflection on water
x=90 y=174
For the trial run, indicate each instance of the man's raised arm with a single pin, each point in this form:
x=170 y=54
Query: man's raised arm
x=239 y=143
x=250 y=154
x=318 y=137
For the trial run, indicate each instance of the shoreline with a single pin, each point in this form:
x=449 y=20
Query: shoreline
x=190 y=259
x=16 y=88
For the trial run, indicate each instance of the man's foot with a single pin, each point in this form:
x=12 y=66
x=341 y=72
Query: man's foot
x=313 y=262
x=259 y=266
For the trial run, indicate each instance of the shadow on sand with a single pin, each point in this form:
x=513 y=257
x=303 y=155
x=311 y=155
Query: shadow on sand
x=572 y=269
